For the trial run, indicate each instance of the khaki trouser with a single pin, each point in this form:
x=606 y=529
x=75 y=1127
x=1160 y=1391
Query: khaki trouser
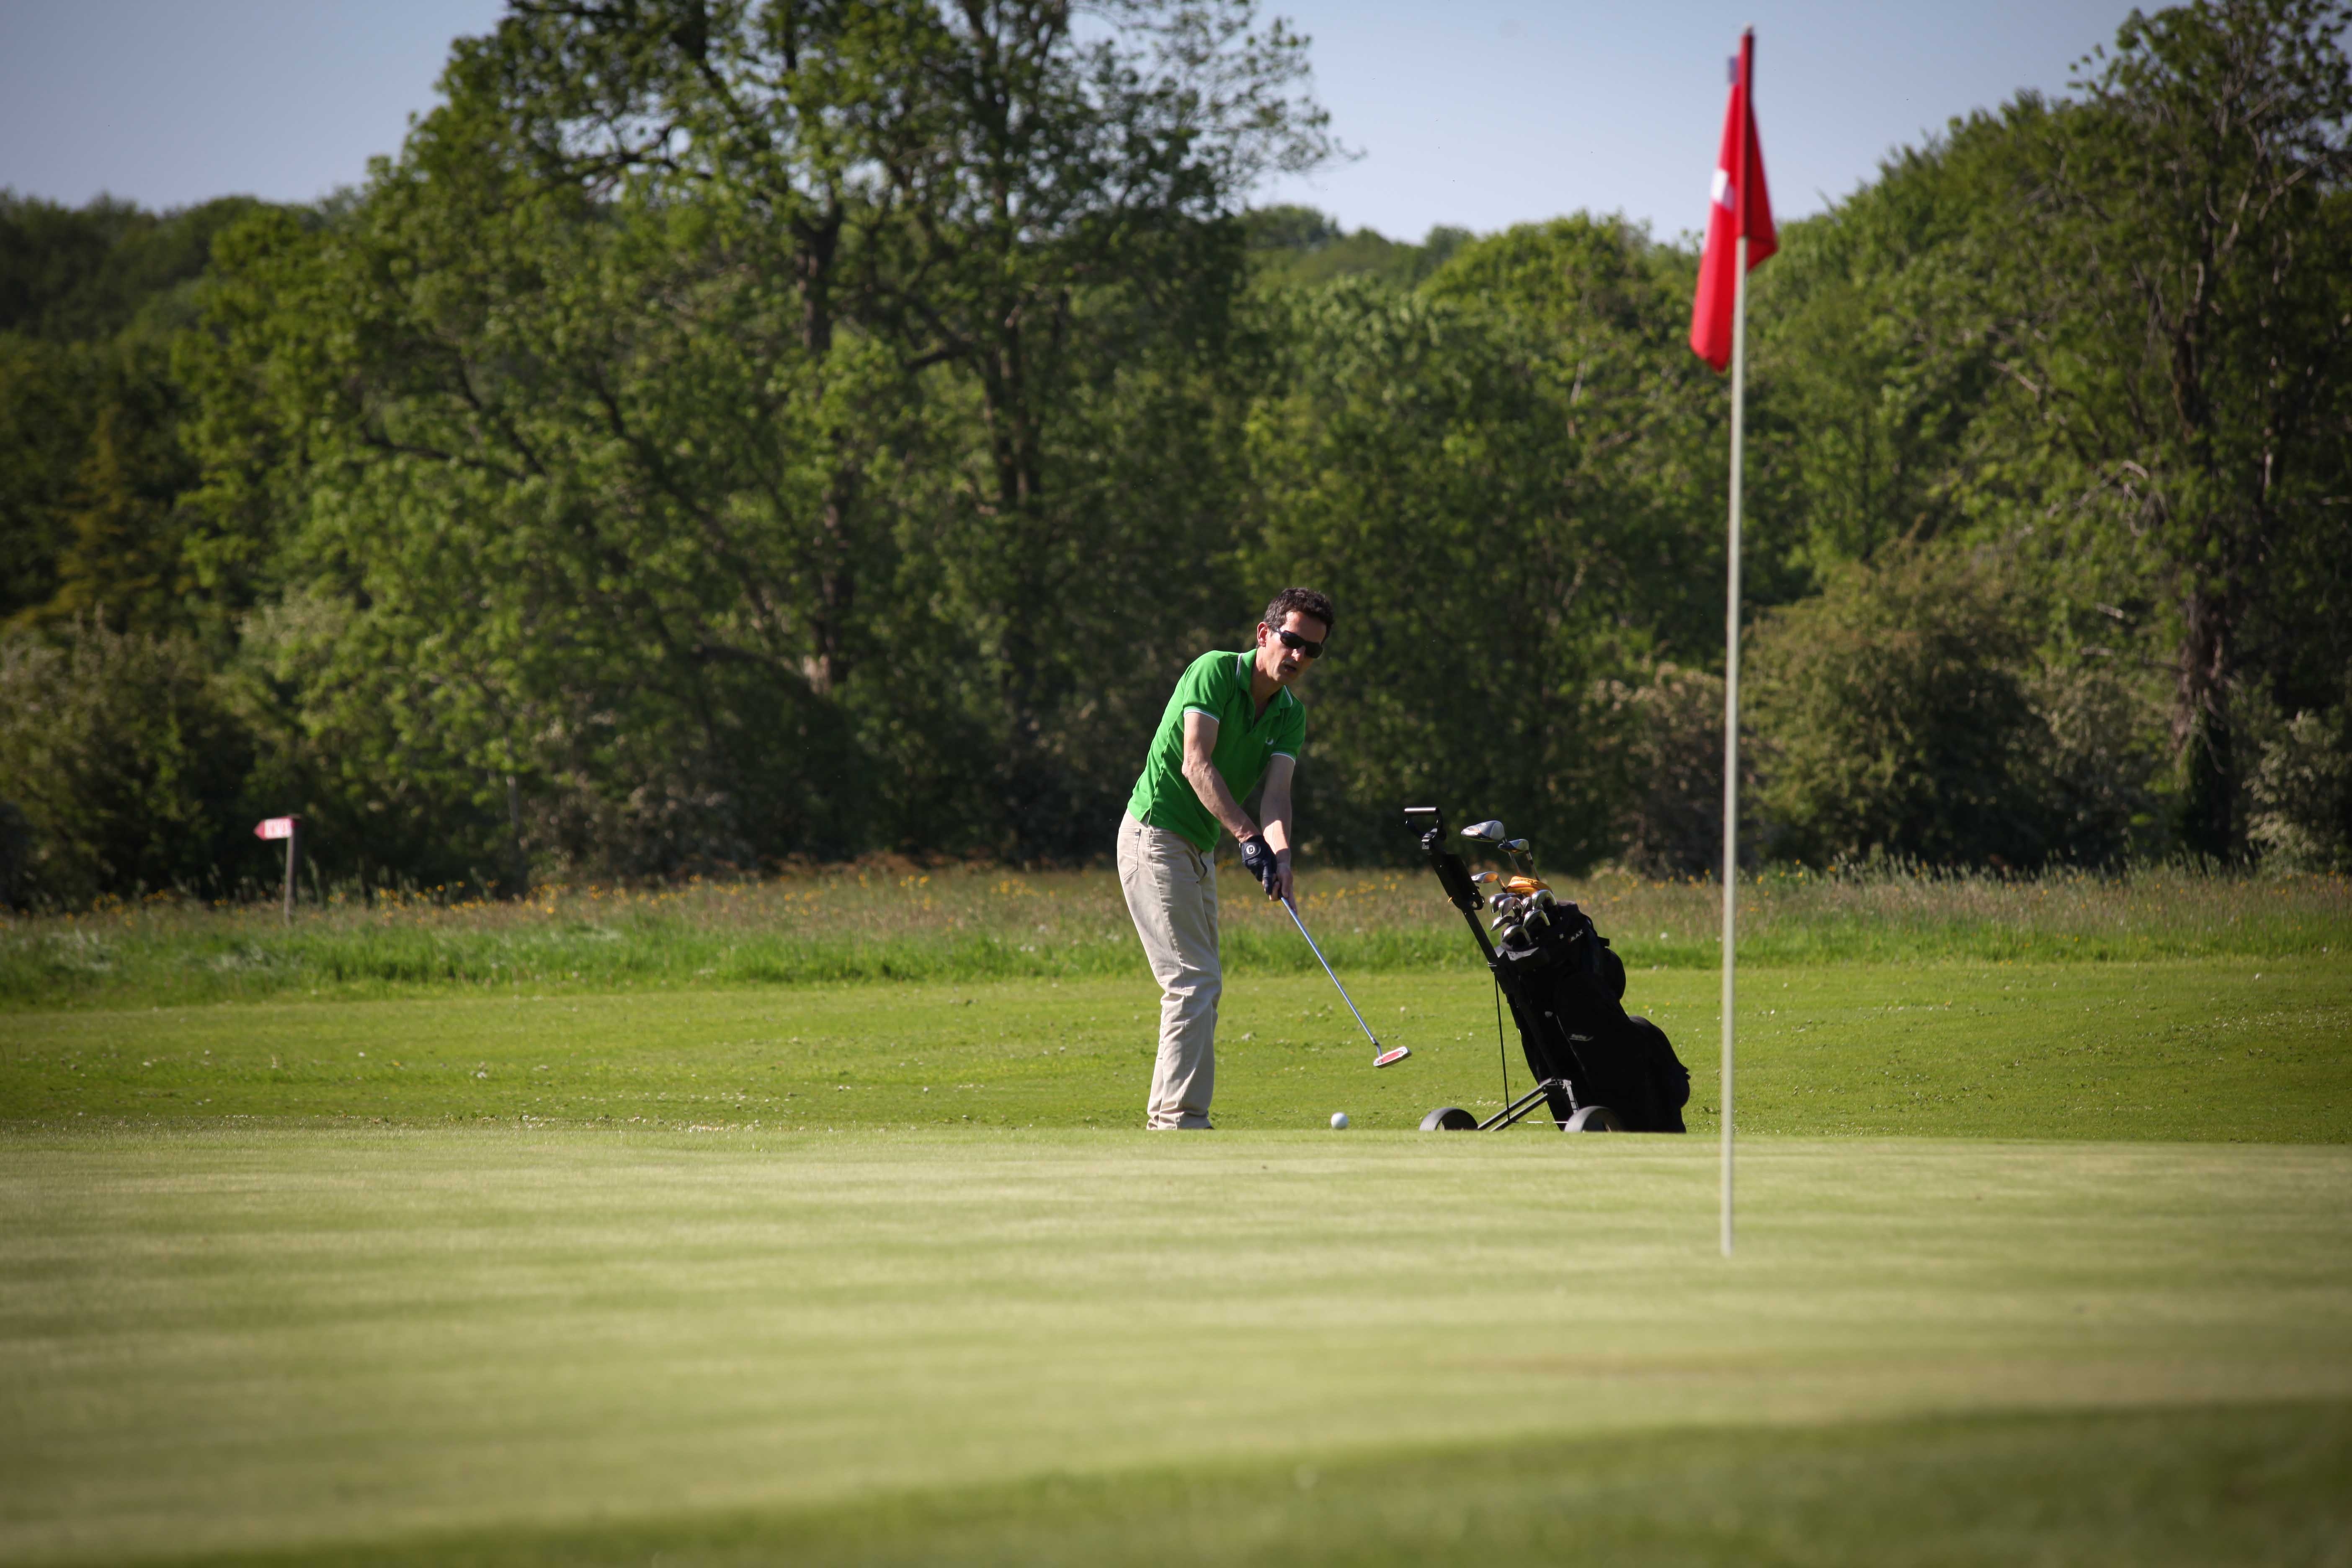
x=1172 y=893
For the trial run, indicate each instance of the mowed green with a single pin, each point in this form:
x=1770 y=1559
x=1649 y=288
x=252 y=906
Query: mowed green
x=2038 y=1263
x=2249 y=1050
x=447 y=1345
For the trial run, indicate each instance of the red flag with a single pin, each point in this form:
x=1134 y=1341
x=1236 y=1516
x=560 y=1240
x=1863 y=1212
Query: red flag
x=1741 y=204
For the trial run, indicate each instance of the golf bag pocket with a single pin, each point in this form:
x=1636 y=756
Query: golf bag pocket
x=1669 y=1079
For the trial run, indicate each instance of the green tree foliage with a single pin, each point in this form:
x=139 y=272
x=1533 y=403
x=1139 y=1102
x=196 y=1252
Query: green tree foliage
x=2192 y=205
x=1295 y=245
x=2303 y=795
x=734 y=430
x=2116 y=326
x=1496 y=477
x=44 y=436
x=562 y=532
x=766 y=429
x=93 y=474
x=1860 y=409
x=125 y=557
x=83 y=275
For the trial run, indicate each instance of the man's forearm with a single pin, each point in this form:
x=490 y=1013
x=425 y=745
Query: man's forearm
x=1274 y=806
x=1276 y=811
x=1210 y=785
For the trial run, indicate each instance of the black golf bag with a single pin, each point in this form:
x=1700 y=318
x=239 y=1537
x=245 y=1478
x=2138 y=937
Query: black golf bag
x=1594 y=1063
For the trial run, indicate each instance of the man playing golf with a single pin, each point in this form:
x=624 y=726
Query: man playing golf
x=1233 y=723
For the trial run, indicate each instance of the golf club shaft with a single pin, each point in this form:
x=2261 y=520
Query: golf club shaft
x=1327 y=969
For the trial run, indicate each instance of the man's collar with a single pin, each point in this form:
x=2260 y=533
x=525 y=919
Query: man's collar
x=1249 y=676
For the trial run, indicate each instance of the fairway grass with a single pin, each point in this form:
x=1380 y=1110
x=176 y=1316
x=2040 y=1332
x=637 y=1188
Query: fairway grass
x=2244 y=1049
x=491 y=1344
x=2218 y=1483
x=2041 y=1262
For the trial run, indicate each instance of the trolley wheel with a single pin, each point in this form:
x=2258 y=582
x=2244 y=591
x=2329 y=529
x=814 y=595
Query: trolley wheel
x=1449 y=1119
x=1594 y=1119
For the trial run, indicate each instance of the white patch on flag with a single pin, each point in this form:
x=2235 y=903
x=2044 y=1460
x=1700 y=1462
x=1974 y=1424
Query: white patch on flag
x=1721 y=194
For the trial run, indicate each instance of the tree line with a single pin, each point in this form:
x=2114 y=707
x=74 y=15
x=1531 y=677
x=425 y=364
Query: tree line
x=729 y=433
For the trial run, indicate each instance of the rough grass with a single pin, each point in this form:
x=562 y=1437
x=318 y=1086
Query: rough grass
x=972 y=924
x=478 y=1346
x=2207 y=1050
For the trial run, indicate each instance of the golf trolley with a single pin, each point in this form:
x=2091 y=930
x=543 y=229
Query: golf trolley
x=1598 y=1068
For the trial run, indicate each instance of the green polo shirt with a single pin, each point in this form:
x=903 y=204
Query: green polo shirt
x=1217 y=684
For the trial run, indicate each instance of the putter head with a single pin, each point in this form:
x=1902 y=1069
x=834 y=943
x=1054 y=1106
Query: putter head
x=1488 y=832
x=1390 y=1058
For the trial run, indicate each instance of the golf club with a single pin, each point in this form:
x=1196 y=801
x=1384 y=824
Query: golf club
x=1523 y=859
x=1380 y=1059
x=1490 y=832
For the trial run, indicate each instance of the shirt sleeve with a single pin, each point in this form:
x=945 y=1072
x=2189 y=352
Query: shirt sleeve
x=1197 y=690
x=1292 y=738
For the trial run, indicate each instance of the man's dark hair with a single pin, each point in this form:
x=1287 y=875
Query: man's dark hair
x=1305 y=601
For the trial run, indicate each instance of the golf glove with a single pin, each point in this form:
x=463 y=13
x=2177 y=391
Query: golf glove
x=1258 y=860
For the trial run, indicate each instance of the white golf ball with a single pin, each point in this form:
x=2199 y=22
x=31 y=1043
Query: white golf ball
x=1338 y=1120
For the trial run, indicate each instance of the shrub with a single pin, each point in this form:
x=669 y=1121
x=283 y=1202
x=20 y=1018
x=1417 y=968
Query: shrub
x=120 y=760
x=1896 y=707
x=1903 y=712
x=2303 y=796
x=1669 y=820
x=2094 y=762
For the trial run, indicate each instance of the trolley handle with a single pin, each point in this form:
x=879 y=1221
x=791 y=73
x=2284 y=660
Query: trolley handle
x=1453 y=876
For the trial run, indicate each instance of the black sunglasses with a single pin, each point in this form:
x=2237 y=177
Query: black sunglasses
x=1292 y=639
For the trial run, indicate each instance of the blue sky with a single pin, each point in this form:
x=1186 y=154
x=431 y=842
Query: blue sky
x=1470 y=113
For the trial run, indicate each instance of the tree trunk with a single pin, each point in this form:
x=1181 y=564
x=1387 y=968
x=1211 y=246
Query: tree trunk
x=836 y=588
x=828 y=662
x=519 y=887
x=2202 y=729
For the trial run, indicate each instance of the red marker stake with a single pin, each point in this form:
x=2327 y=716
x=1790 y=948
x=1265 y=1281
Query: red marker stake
x=290 y=828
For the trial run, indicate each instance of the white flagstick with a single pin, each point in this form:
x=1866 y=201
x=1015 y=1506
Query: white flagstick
x=1731 y=710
